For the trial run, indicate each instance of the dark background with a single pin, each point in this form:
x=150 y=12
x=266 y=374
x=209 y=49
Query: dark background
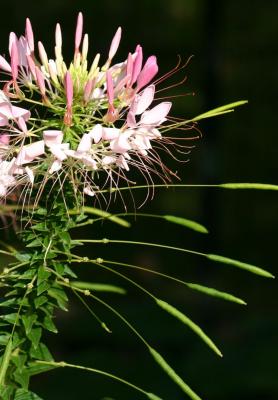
x=235 y=49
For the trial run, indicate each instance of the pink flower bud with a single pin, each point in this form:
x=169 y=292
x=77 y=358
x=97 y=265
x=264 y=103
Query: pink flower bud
x=40 y=81
x=110 y=88
x=149 y=70
x=137 y=64
x=78 y=32
x=69 y=97
x=14 y=61
x=29 y=35
x=115 y=43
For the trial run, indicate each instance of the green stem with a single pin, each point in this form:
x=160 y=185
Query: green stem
x=97 y=371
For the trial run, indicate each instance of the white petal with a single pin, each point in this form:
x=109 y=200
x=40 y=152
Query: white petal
x=110 y=133
x=56 y=165
x=30 y=174
x=96 y=133
x=88 y=191
x=51 y=137
x=156 y=115
x=143 y=100
x=85 y=143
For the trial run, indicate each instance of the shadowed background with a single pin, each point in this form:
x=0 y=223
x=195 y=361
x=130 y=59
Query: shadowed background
x=235 y=57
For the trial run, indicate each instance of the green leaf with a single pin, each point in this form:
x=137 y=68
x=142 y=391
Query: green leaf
x=35 y=336
x=248 y=267
x=65 y=236
x=10 y=318
x=60 y=296
x=35 y=368
x=40 y=301
x=28 y=321
x=4 y=340
x=173 y=375
x=186 y=222
x=22 y=256
x=22 y=377
x=35 y=243
x=43 y=275
x=49 y=325
x=5 y=361
x=6 y=392
x=44 y=286
x=22 y=394
x=98 y=287
x=187 y=321
x=41 y=353
x=41 y=227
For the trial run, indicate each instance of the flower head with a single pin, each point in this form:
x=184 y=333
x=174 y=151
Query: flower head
x=86 y=119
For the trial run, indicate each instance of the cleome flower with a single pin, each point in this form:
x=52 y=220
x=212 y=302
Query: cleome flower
x=79 y=120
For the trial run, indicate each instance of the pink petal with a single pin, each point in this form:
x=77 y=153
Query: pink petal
x=156 y=115
x=4 y=65
x=40 y=80
x=29 y=35
x=85 y=143
x=110 y=87
x=32 y=66
x=115 y=43
x=130 y=120
x=96 y=133
x=12 y=39
x=68 y=88
x=22 y=124
x=18 y=112
x=90 y=84
x=143 y=100
x=4 y=139
x=52 y=137
x=14 y=61
x=129 y=65
x=79 y=31
x=149 y=70
x=137 y=64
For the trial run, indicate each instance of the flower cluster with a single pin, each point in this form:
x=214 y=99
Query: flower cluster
x=83 y=119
